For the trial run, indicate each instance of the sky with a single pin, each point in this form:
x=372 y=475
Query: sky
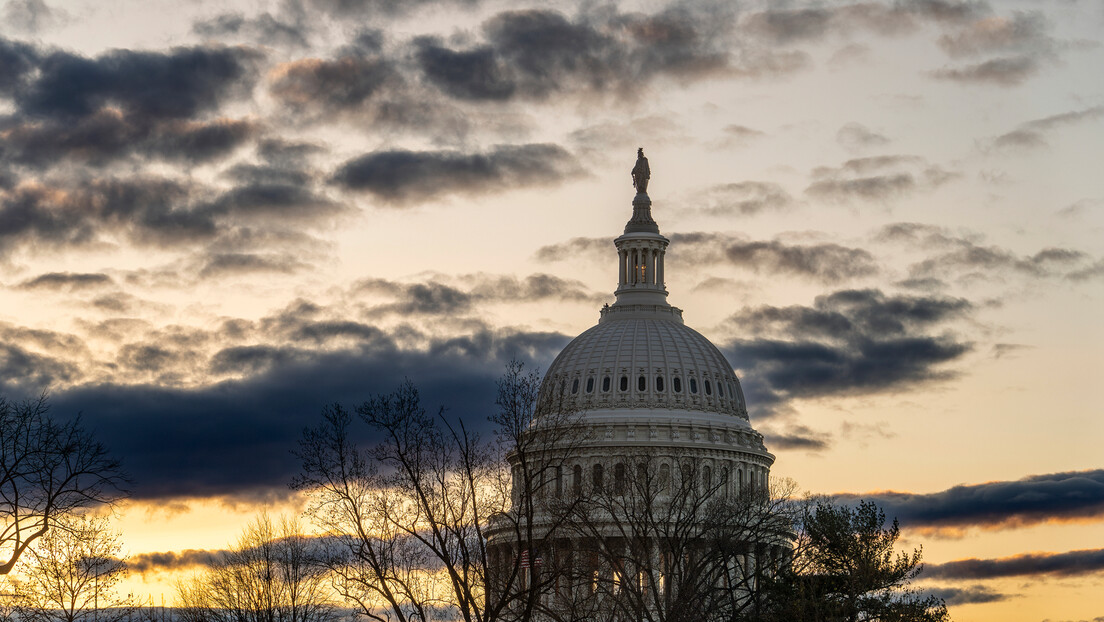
x=218 y=217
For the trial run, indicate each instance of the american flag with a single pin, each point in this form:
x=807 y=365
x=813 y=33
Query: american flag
x=524 y=563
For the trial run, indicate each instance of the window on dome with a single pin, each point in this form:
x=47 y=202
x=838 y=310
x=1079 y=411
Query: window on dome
x=577 y=480
x=574 y=386
x=694 y=385
x=708 y=388
x=605 y=384
x=659 y=383
x=677 y=384
x=590 y=385
x=624 y=383
x=596 y=477
x=641 y=383
x=619 y=478
x=720 y=390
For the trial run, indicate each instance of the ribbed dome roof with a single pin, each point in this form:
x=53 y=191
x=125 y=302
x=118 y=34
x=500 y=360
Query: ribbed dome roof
x=644 y=362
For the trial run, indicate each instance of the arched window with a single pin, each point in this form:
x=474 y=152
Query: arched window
x=577 y=480
x=624 y=383
x=641 y=383
x=708 y=388
x=739 y=480
x=590 y=385
x=659 y=384
x=724 y=482
x=707 y=479
x=677 y=384
x=574 y=386
x=606 y=384
x=619 y=478
x=720 y=389
x=694 y=385
x=642 y=474
x=664 y=476
x=596 y=477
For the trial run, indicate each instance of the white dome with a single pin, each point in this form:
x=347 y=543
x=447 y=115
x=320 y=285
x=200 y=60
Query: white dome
x=644 y=358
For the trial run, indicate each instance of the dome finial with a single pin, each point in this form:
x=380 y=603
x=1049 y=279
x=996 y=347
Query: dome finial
x=641 y=173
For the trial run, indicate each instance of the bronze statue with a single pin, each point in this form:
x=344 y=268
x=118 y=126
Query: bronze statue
x=641 y=173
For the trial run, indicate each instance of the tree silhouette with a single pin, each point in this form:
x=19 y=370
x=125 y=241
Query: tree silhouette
x=48 y=469
x=70 y=574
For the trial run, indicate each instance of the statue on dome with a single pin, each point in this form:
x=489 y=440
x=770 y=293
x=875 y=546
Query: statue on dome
x=641 y=173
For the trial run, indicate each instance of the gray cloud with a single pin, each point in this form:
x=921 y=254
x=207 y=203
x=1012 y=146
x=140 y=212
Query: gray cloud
x=878 y=178
x=1056 y=497
x=589 y=248
x=744 y=198
x=68 y=281
x=829 y=263
x=1023 y=32
x=973 y=594
x=1033 y=133
x=958 y=253
x=858 y=136
x=172 y=560
x=1004 y=71
x=1068 y=564
x=798 y=438
x=400 y=177
x=848 y=342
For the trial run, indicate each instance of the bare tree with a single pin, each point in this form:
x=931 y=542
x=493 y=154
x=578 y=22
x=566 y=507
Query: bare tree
x=435 y=522
x=71 y=573
x=48 y=469
x=272 y=574
x=662 y=541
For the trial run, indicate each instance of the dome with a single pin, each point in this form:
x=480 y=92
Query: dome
x=644 y=360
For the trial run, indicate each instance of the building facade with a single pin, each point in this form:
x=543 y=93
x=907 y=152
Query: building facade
x=643 y=495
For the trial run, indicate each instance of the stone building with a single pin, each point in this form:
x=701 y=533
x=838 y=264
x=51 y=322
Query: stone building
x=647 y=440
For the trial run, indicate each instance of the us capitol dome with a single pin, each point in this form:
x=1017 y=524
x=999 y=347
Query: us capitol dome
x=640 y=425
x=641 y=377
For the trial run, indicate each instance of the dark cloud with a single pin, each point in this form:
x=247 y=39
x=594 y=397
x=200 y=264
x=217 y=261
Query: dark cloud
x=403 y=176
x=1033 y=133
x=172 y=560
x=973 y=594
x=223 y=264
x=25 y=372
x=421 y=298
x=848 y=342
x=798 y=438
x=108 y=135
x=178 y=84
x=338 y=85
x=879 y=178
x=1069 y=564
x=473 y=74
x=1057 y=497
x=68 y=281
x=17 y=61
x=858 y=136
x=234 y=437
x=1005 y=71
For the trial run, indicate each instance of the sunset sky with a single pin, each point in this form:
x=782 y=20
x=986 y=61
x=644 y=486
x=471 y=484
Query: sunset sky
x=217 y=217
